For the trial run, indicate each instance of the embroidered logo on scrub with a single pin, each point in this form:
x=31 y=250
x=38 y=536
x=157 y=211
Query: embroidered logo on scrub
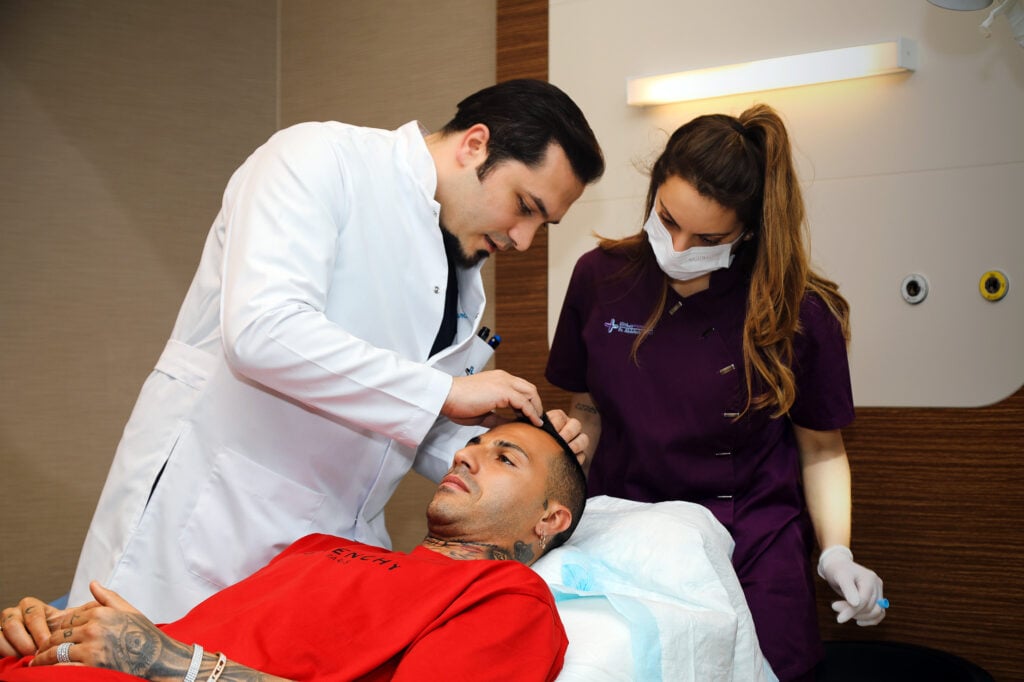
x=623 y=327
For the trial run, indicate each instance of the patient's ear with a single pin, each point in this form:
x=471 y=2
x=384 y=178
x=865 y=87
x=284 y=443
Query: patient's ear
x=557 y=518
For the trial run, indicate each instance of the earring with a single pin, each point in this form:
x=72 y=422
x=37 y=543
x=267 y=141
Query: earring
x=543 y=542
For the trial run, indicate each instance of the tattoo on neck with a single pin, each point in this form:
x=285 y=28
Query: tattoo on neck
x=524 y=552
x=458 y=549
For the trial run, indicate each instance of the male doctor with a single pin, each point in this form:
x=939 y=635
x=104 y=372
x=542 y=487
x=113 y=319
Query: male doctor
x=322 y=348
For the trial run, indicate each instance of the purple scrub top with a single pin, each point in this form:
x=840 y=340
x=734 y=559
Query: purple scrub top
x=668 y=427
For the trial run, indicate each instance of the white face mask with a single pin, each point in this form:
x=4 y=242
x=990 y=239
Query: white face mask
x=692 y=263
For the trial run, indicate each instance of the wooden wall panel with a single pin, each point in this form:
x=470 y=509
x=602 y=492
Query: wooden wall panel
x=521 y=280
x=938 y=513
x=938 y=493
x=522 y=39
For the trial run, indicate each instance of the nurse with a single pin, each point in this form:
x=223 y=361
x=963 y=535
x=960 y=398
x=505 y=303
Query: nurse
x=708 y=363
x=322 y=349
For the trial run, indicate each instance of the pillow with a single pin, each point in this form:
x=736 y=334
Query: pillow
x=647 y=591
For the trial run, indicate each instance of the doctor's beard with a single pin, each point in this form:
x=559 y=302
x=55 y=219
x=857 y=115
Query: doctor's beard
x=453 y=247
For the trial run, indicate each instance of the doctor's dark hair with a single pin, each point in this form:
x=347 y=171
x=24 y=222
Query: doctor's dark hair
x=745 y=164
x=524 y=116
x=566 y=482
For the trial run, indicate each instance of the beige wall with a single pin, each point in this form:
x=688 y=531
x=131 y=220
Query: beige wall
x=383 y=64
x=121 y=121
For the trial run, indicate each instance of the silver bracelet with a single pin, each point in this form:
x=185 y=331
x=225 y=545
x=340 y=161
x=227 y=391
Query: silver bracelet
x=193 y=667
x=222 y=661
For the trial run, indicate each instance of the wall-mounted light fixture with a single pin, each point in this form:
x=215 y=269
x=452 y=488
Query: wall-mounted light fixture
x=771 y=74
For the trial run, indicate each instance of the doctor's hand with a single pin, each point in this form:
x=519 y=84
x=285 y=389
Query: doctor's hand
x=860 y=587
x=26 y=627
x=571 y=430
x=473 y=399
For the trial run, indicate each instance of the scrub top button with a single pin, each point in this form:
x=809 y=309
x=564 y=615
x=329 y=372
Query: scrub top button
x=437 y=290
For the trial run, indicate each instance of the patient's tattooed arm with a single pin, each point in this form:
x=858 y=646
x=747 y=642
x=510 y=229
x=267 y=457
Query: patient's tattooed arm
x=147 y=652
x=116 y=636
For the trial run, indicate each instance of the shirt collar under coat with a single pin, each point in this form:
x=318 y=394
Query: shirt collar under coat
x=412 y=150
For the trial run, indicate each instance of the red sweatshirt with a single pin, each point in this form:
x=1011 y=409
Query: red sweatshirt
x=328 y=608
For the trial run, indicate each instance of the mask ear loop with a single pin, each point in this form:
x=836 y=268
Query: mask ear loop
x=746 y=236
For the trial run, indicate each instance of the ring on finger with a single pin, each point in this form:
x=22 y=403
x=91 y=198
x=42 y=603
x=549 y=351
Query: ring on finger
x=63 y=652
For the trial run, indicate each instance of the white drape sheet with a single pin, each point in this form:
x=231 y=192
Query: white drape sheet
x=647 y=592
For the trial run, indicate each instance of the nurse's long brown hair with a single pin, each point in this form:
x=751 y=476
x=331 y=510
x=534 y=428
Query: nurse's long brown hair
x=745 y=164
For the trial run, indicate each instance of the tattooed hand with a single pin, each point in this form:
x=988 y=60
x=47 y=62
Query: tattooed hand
x=27 y=626
x=111 y=633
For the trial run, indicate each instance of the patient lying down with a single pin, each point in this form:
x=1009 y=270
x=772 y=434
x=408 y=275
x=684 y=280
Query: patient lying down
x=328 y=608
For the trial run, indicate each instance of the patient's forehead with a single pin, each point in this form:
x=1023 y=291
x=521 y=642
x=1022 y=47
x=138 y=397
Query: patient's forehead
x=527 y=436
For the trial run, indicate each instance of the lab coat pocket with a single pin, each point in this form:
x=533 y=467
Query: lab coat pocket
x=244 y=516
x=477 y=355
x=469 y=357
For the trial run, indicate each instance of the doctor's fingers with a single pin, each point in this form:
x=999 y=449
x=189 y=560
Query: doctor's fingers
x=476 y=395
x=516 y=393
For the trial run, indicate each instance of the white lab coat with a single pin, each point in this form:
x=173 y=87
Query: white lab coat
x=295 y=391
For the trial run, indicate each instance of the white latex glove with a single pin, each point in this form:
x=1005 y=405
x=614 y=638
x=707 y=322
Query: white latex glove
x=859 y=587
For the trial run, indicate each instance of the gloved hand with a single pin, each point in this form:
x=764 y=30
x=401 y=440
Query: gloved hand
x=859 y=587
